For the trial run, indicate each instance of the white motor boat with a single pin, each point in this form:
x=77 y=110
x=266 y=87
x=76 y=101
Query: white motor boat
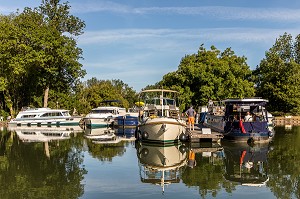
x=102 y=116
x=161 y=120
x=44 y=117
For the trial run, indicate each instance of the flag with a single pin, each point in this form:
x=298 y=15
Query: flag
x=242 y=127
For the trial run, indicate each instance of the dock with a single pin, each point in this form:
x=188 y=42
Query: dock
x=202 y=133
x=287 y=120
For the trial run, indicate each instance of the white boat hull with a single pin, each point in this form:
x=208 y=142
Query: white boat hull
x=162 y=129
x=97 y=122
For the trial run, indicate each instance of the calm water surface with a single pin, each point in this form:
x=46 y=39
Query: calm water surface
x=35 y=164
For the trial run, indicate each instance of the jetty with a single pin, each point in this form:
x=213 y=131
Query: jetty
x=287 y=120
x=201 y=133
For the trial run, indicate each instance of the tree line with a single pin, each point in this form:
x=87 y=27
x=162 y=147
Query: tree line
x=40 y=67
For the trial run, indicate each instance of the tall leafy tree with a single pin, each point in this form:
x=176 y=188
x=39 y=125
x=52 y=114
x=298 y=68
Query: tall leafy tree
x=38 y=52
x=62 y=69
x=94 y=92
x=211 y=74
x=278 y=75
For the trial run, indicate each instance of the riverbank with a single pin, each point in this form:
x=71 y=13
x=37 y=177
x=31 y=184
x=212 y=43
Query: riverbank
x=3 y=124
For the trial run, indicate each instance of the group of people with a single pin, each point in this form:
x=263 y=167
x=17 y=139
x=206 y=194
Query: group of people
x=248 y=117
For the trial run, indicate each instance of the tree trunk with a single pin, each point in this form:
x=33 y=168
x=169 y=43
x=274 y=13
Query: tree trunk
x=46 y=97
x=9 y=103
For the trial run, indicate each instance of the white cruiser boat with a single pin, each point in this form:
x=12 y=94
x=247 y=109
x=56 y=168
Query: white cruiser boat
x=161 y=120
x=102 y=116
x=44 y=117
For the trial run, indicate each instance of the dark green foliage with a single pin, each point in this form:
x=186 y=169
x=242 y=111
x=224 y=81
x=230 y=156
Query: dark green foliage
x=278 y=75
x=93 y=92
x=211 y=74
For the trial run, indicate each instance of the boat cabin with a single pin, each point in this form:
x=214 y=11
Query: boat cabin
x=161 y=107
x=251 y=109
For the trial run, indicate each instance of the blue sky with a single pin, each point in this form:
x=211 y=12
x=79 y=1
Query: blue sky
x=139 y=41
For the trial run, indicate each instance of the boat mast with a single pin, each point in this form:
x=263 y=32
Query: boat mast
x=162 y=103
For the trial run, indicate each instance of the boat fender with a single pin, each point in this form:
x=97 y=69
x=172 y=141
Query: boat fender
x=250 y=141
x=145 y=135
x=271 y=134
x=183 y=137
x=144 y=153
x=183 y=149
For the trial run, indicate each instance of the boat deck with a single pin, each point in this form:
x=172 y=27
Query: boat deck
x=202 y=133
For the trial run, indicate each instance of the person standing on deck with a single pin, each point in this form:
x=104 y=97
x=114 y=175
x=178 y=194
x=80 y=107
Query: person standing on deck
x=191 y=113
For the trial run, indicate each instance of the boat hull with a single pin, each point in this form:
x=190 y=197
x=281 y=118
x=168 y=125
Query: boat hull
x=97 y=122
x=162 y=129
x=46 y=122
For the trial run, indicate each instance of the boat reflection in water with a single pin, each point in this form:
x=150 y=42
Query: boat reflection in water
x=246 y=164
x=161 y=164
x=42 y=134
x=126 y=132
x=105 y=136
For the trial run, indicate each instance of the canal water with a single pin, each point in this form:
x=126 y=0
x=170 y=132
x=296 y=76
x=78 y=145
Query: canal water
x=38 y=163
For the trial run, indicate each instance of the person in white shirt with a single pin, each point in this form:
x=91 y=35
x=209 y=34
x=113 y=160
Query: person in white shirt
x=248 y=117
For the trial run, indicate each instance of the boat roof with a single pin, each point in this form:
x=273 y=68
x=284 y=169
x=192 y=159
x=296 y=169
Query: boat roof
x=246 y=101
x=43 y=110
x=159 y=90
x=107 y=108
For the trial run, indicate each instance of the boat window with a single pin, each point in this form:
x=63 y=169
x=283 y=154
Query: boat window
x=66 y=113
x=169 y=102
x=51 y=114
x=28 y=116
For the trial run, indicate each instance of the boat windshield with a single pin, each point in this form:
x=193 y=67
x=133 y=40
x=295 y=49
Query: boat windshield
x=157 y=101
x=66 y=113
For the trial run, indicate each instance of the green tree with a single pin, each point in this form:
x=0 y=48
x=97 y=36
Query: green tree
x=38 y=52
x=62 y=68
x=94 y=92
x=278 y=75
x=211 y=74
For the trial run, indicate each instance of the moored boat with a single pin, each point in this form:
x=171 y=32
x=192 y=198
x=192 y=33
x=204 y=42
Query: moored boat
x=44 y=117
x=161 y=120
x=240 y=119
x=102 y=116
x=126 y=121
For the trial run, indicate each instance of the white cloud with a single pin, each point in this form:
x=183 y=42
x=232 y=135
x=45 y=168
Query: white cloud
x=220 y=12
x=170 y=37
